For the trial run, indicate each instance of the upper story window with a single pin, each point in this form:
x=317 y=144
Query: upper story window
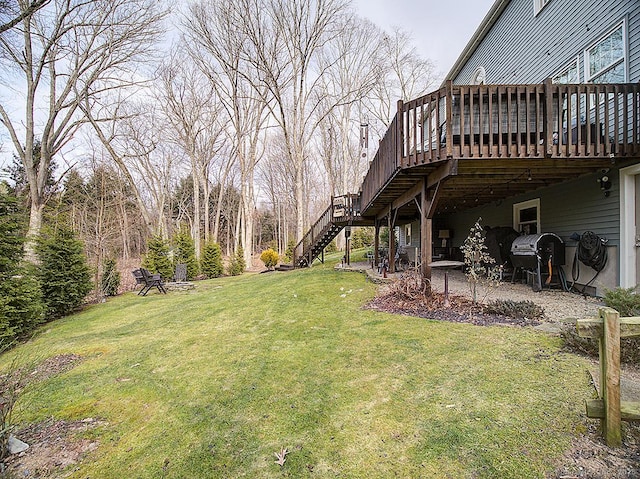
x=479 y=77
x=571 y=74
x=539 y=5
x=605 y=60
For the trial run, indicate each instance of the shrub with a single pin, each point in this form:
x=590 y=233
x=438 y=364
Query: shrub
x=477 y=260
x=64 y=274
x=362 y=237
x=288 y=254
x=157 y=257
x=331 y=247
x=270 y=258
x=211 y=262
x=624 y=300
x=110 y=278
x=237 y=265
x=515 y=309
x=184 y=252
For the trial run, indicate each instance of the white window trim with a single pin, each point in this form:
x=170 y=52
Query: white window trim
x=479 y=76
x=625 y=54
x=627 y=226
x=538 y=6
x=407 y=235
x=517 y=207
x=566 y=68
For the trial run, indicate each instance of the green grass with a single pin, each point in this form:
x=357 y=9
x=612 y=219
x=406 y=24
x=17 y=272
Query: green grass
x=212 y=382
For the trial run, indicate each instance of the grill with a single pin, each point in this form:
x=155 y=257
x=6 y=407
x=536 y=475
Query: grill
x=535 y=252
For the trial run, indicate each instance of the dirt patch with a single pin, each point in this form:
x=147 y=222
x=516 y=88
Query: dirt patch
x=590 y=458
x=54 y=365
x=54 y=445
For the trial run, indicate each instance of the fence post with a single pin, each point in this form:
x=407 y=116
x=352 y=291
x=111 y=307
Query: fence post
x=610 y=376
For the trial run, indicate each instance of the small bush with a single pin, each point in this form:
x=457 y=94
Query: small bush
x=515 y=309
x=64 y=274
x=623 y=300
x=237 y=265
x=288 y=254
x=270 y=258
x=211 y=262
x=331 y=247
x=110 y=278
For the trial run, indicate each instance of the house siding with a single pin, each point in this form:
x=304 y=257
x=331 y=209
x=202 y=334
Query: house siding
x=572 y=207
x=525 y=48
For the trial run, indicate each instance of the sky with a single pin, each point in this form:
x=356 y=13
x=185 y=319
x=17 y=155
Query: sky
x=440 y=28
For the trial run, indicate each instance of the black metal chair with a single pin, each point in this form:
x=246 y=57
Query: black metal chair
x=148 y=280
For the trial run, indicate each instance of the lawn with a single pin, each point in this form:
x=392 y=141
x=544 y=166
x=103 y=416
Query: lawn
x=210 y=383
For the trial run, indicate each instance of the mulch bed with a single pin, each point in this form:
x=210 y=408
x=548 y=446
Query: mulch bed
x=461 y=310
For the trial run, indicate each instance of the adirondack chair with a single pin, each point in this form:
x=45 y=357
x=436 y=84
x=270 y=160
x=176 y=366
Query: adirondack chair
x=148 y=280
x=181 y=273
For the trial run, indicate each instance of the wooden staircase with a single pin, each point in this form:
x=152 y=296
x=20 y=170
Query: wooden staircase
x=343 y=211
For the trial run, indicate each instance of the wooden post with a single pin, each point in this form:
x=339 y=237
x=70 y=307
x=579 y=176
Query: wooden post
x=548 y=121
x=376 y=245
x=610 y=376
x=392 y=240
x=426 y=237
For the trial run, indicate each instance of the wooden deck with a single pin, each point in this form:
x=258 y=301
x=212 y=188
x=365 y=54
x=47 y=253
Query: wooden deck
x=467 y=145
x=493 y=141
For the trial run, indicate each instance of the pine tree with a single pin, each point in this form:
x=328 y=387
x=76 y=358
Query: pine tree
x=211 y=263
x=238 y=265
x=157 y=258
x=21 y=308
x=64 y=274
x=184 y=252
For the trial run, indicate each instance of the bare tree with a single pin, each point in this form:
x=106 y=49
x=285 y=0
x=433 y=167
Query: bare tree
x=12 y=14
x=217 y=44
x=69 y=53
x=403 y=75
x=354 y=66
x=192 y=111
x=285 y=40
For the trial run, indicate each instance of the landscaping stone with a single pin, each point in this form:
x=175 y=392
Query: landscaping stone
x=16 y=446
x=179 y=286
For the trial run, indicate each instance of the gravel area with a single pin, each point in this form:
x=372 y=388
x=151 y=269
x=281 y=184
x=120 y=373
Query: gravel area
x=557 y=304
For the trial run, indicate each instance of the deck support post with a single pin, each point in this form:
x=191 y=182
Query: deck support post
x=426 y=238
x=376 y=245
x=391 y=221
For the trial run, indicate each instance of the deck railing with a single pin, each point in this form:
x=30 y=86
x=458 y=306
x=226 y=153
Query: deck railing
x=342 y=209
x=508 y=121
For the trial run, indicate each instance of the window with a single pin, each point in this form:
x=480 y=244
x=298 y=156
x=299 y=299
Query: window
x=604 y=62
x=538 y=5
x=570 y=74
x=479 y=77
x=407 y=235
x=526 y=217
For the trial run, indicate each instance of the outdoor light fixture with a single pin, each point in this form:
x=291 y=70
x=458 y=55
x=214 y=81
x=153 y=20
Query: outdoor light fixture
x=605 y=182
x=529 y=175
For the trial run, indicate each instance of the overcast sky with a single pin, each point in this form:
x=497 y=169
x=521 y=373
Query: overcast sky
x=440 y=28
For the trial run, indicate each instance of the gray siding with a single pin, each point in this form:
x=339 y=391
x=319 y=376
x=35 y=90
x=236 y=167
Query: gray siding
x=523 y=48
x=575 y=206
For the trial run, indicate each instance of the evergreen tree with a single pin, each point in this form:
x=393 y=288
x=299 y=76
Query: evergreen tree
x=63 y=272
x=211 y=263
x=21 y=308
x=157 y=258
x=110 y=278
x=238 y=264
x=184 y=252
